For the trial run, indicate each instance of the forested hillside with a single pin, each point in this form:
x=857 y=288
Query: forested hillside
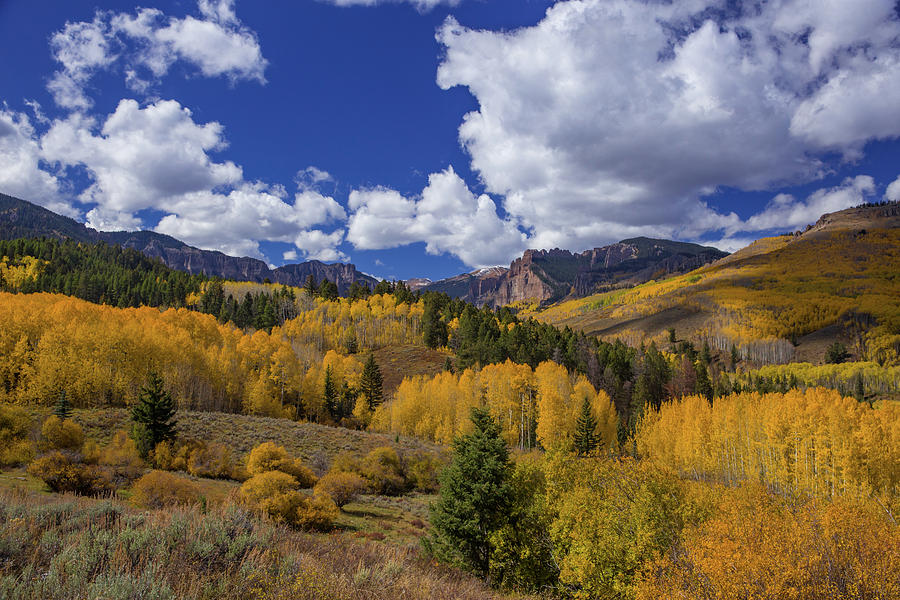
x=21 y=219
x=675 y=465
x=774 y=300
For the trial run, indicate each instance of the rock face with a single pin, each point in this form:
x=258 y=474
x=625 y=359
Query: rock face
x=19 y=218
x=550 y=275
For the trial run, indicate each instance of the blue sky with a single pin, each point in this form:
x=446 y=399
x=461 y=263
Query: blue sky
x=430 y=137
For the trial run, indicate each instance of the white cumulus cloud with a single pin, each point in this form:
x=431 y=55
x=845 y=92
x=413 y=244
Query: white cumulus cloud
x=21 y=174
x=448 y=217
x=144 y=46
x=893 y=191
x=786 y=212
x=613 y=118
x=158 y=158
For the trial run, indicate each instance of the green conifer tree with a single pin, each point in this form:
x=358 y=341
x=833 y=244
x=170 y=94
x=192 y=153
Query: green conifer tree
x=330 y=395
x=153 y=416
x=704 y=385
x=586 y=438
x=63 y=408
x=371 y=384
x=476 y=496
x=859 y=391
x=311 y=287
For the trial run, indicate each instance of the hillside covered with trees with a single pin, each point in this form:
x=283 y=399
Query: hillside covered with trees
x=619 y=466
x=776 y=299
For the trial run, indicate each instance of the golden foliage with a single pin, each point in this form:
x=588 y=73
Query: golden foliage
x=341 y=487
x=811 y=442
x=14 y=273
x=277 y=495
x=63 y=473
x=776 y=289
x=15 y=427
x=159 y=489
x=101 y=355
x=268 y=457
x=877 y=378
x=546 y=399
x=762 y=545
x=62 y=435
x=609 y=518
x=379 y=320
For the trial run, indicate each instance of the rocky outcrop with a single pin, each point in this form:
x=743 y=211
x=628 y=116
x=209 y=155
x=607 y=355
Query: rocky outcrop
x=19 y=218
x=550 y=275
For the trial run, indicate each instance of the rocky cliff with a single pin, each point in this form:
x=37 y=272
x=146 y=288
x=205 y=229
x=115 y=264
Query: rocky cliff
x=550 y=275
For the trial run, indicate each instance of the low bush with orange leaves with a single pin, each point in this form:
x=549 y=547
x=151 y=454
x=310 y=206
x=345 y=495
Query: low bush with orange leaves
x=159 y=489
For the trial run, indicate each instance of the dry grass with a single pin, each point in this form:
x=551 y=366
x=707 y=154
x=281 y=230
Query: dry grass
x=57 y=547
x=397 y=362
x=311 y=442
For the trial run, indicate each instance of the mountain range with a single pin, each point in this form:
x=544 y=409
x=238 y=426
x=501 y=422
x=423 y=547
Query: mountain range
x=542 y=276
x=546 y=276
x=21 y=219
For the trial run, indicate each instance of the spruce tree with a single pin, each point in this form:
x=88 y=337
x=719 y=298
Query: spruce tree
x=476 y=496
x=328 y=290
x=153 y=416
x=859 y=391
x=63 y=408
x=433 y=327
x=311 y=287
x=704 y=385
x=330 y=395
x=586 y=438
x=371 y=384
x=735 y=357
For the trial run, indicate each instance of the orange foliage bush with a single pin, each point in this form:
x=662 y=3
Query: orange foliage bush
x=341 y=487
x=62 y=435
x=277 y=495
x=62 y=472
x=159 y=489
x=15 y=426
x=269 y=457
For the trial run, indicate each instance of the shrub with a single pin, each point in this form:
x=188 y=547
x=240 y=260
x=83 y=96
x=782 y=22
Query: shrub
x=318 y=512
x=211 y=460
x=62 y=435
x=277 y=494
x=121 y=452
x=197 y=458
x=273 y=492
x=384 y=471
x=15 y=423
x=422 y=470
x=158 y=489
x=15 y=427
x=16 y=452
x=171 y=455
x=63 y=473
x=269 y=457
x=341 y=487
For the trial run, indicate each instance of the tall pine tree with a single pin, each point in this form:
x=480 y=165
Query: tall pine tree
x=476 y=496
x=586 y=438
x=330 y=395
x=371 y=384
x=153 y=416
